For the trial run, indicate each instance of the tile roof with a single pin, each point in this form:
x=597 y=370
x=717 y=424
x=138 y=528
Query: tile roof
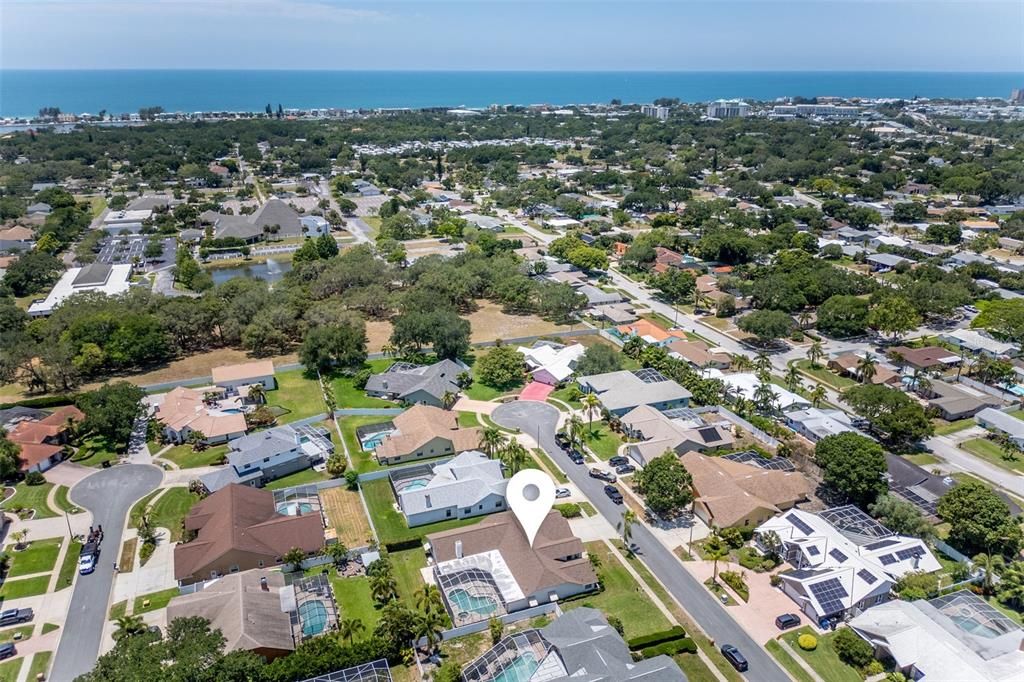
x=243 y=371
x=183 y=407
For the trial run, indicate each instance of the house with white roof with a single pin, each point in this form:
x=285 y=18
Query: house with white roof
x=745 y=384
x=844 y=562
x=470 y=484
x=815 y=424
x=552 y=363
x=1001 y=422
x=978 y=342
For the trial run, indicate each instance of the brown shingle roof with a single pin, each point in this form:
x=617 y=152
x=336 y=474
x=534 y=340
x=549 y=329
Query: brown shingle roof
x=422 y=423
x=243 y=371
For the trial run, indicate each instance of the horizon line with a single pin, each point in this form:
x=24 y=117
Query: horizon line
x=499 y=70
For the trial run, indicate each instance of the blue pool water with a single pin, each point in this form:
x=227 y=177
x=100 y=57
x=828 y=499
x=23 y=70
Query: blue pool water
x=464 y=601
x=1016 y=389
x=972 y=626
x=520 y=670
x=232 y=410
x=373 y=440
x=313 y=615
x=415 y=485
x=294 y=508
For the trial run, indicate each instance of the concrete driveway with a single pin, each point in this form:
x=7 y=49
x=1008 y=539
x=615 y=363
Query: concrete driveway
x=109 y=494
x=542 y=419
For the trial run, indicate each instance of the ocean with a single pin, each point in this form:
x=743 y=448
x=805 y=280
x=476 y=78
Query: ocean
x=24 y=92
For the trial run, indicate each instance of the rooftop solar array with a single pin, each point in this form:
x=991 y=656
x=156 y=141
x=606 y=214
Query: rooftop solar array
x=905 y=554
x=376 y=671
x=887 y=559
x=867 y=576
x=752 y=458
x=799 y=524
x=649 y=375
x=830 y=594
x=837 y=555
x=928 y=506
x=851 y=521
x=882 y=544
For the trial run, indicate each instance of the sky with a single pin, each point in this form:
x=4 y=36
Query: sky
x=569 y=35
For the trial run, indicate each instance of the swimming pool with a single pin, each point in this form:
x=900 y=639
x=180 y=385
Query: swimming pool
x=313 y=615
x=463 y=601
x=294 y=508
x=968 y=624
x=520 y=670
x=371 y=441
x=415 y=484
x=1016 y=389
x=232 y=410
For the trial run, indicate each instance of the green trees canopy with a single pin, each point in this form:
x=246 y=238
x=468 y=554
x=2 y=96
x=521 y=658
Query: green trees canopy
x=767 y=325
x=111 y=410
x=900 y=419
x=853 y=465
x=342 y=345
x=665 y=484
x=980 y=521
x=501 y=367
x=599 y=359
x=843 y=316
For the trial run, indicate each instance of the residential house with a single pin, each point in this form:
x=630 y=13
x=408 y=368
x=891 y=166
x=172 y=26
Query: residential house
x=417 y=384
x=552 y=363
x=40 y=436
x=884 y=262
x=1002 y=423
x=597 y=296
x=977 y=342
x=182 y=411
x=239 y=528
x=616 y=313
x=683 y=431
x=620 y=392
x=39 y=208
x=849 y=364
x=979 y=225
x=494 y=562
x=955 y=402
x=485 y=222
x=844 y=561
x=265 y=456
x=729 y=493
x=93 y=278
x=699 y=354
x=578 y=645
x=470 y=484
x=929 y=358
x=422 y=432
x=651 y=333
x=744 y=384
x=815 y=424
x=233 y=378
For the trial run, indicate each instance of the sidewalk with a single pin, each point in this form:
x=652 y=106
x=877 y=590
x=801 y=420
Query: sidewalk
x=156 y=575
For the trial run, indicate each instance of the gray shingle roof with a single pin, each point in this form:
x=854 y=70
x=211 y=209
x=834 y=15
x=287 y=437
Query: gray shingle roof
x=463 y=481
x=402 y=379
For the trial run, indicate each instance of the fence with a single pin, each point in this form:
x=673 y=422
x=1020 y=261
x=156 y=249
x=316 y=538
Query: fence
x=950 y=552
x=739 y=421
x=508 y=618
x=990 y=390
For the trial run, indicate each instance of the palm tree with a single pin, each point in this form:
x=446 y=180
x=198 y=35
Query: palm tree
x=591 y=404
x=1011 y=584
x=626 y=526
x=741 y=363
x=350 y=628
x=815 y=353
x=762 y=363
x=294 y=556
x=575 y=430
x=514 y=456
x=818 y=395
x=990 y=564
x=429 y=627
x=794 y=381
x=715 y=549
x=804 y=319
x=428 y=598
x=329 y=400
x=19 y=538
x=700 y=299
x=129 y=626
x=492 y=440
x=383 y=588
x=633 y=347
x=197 y=439
x=337 y=551
x=448 y=399
x=867 y=368
x=257 y=393
x=389 y=350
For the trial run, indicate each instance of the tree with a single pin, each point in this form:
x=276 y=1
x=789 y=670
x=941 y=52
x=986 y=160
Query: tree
x=815 y=353
x=591 y=405
x=492 y=440
x=943 y=233
x=384 y=588
x=626 y=528
x=991 y=566
x=514 y=456
x=818 y=395
x=588 y=258
x=853 y=465
x=843 y=316
x=501 y=367
x=980 y=520
x=336 y=465
x=715 y=549
x=909 y=212
x=851 y=648
x=257 y=394
x=111 y=411
x=342 y=345
x=794 y=380
x=900 y=516
x=1011 y=585
x=665 y=484
x=917 y=585
x=350 y=628
x=898 y=417
x=496 y=628
x=429 y=627
x=674 y=285
x=894 y=315
x=129 y=626
x=1004 y=318
x=33 y=272
x=10 y=457
x=767 y=325
x=294 y=556
x=599 y=359
x=866 y=368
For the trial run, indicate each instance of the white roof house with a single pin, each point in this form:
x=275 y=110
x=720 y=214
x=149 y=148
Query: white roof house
x=815 y=424
x=976 y=342
x=844 y=559
x=552 y=363
x=951 y=638
x=96 y=277
x=469 y=484
x=746 y=383
x=1001 y=422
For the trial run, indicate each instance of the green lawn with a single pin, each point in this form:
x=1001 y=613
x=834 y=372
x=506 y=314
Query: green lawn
x=407 y=565
x=119 y=609
x=25 y=631
x=794 y=669
x=363 y=460
x=63 y=501
x=136 y=512
x=564 y=394
x=550 y=466
x=169 y=511
x=621 y=597
x=40 y=664
x=602 y=440
x=696 y=670
x=298 y=395
x=31 y=497
x=390 y=523
x=157 y=600
x=188 y=458
x=26 y=587
x=944 y=428
x=481 y=391
x=922 y=459
x=40 y=557
x=468 y=419
x=298 y=478
x=825 y=375
x=94 y=452
x=347 y=395
x=69 y=567
x=823 y=659
x=990 y=452
x=355 y=601
x=9 y=669
x=50 y=627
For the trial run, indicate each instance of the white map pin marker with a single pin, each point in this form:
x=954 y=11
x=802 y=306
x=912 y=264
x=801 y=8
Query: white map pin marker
x=530 y=494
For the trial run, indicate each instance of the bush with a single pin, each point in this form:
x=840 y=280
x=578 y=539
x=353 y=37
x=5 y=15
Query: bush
x=34 y=478
x=732 y=536
x=775 y=580
x=874 y=668
x=654 y=638
x=750 y=559
x=851 y=649
x=569 y=510
x=807 y=642
x=679 y=646
x=360 y=378
x=734 y=580
x=146 y=551
x=46 y=401
x=616 y=623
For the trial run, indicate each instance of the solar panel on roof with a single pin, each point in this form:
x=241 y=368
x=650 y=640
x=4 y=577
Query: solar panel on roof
x=760 y=461
x=887 y=559
x=905 y=554
x=867 y=576
x=813 y=551
x=879 y=545
x=837 y=555
x=799 y=524
x=708 y=434
x=829 y=594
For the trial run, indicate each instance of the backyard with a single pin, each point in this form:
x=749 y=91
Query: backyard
x=94 y=452
x=345 y=514
x=361 y=459
x=298 y=396
x=825 y=375
x=347 y=395
x=390 y=523
x=303 y=477
x=355 y=600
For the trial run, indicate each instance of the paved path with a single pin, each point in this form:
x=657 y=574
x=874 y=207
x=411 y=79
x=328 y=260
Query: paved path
x=108 y=494
x=961 y=460
x=541 y=418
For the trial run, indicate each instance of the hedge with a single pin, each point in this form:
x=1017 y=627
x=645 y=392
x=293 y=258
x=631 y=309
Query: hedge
x=45 y=401
x=569 y=510
x=403 y=545
x=679 y=646
x=673 y=633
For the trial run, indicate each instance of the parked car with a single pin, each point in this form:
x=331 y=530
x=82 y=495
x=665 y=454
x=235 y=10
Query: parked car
x=14 y=616
x=618 y=460
x=733 y=655
x=562 y=439
x=576 y=456
x=87 y=564
x=613 y=494
x=603 y=475
x=625 y=469
x=562 y=492
x=7 y=650
x=787 y=621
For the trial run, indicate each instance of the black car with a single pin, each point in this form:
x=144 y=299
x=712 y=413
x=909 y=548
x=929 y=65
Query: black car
x=576 y=456
x=613 y=494
x=7 y=650
x=618 y=460
x=733 y=655
x=625 y=469
x=787 y=621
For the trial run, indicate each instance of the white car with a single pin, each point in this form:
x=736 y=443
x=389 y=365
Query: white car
x=562 y=492
x=86 y=564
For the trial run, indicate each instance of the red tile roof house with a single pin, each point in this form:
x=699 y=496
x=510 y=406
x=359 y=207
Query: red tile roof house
x=41 y=441
x=239 y=528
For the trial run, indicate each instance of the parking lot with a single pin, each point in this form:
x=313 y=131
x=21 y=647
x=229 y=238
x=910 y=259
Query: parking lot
x=125 y=250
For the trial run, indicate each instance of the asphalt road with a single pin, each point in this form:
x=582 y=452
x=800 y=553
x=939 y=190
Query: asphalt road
x=541 y=419
x=108 y=494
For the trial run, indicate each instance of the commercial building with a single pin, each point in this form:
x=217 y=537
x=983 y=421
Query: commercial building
x=728 y=108
x=654 y=111
x=816 y=110
x=94 y=278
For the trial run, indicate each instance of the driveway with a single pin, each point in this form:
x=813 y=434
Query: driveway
x=108 y=494
x=542 y=419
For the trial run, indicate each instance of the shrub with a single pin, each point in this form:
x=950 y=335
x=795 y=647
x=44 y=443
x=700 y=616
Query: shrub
x=732 y=536
x=497 y=629
x=569 y=510
x=775 y=580
x=851 y=649
x=750 y=559
x=616 y=623
x=734 y=580
x=352 y=480
x=807 y=642
x=34 y=478
x=874 y=668
x=679 y=646
x=360 y=378
x=146 y=551
x=654 y=638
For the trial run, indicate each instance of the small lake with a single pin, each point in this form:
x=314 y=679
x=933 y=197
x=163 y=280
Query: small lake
x=271 y=271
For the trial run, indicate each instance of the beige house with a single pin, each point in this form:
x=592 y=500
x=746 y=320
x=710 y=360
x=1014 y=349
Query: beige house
x=183 y=411
x=699 y=354
x=232 y=378
x=422 y=432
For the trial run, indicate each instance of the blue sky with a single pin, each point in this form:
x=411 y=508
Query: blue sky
x=682 y=35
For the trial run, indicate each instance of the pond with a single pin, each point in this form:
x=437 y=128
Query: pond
x=271 y=271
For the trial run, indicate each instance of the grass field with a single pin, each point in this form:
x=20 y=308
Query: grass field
x=992 y=453
x=69 y=567
x=944 y=428
x=552 y=468
x=94 y=452
x=783 y=658
x=347 y=395
x=922 y=459
x=345 y=514
x=63 y=501
x=355 y=601
x=823 y=659
x=126 y=562
x=188 y=458
x=117 y=610
x=564 y=395
x=621 y=597
x=297 y=394
x=157 y=600
x=298 y=478
x=23 y=632
x=481 y=391
x=363 y=460
x=26 y=587
x=602 y=440
x=39 y=557
x=31 y=497
x=9 y=669
x=40 y=664
x=407 y=565
x=170 y=510
x=136 y=512
x=390 y=523
x=468 y=419
x=824 y=375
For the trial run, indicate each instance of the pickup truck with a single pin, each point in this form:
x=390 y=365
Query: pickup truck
x=602 y=475
x=13 y=616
